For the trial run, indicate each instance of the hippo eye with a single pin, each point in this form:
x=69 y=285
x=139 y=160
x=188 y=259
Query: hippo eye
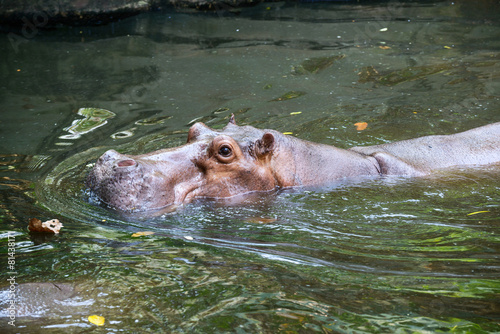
x=225 y=151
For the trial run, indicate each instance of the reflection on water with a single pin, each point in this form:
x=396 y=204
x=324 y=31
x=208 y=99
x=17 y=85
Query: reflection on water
x=94 y=118
x=386 y=255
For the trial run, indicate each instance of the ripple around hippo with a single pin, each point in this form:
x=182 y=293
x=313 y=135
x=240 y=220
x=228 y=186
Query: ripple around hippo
x=344 y=227
x=63 y=189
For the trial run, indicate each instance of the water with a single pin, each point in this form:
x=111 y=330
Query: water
x=375 y=256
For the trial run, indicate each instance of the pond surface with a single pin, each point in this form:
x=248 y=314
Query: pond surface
x=375 y=256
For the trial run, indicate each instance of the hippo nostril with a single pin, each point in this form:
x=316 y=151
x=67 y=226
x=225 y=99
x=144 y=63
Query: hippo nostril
x=126 y=163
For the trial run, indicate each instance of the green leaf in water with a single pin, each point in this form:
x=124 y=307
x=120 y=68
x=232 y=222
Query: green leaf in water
x=290 y=95
x=315 y=65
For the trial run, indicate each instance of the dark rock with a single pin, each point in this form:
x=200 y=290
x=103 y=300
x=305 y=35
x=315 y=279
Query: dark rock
x=38 y=14
x=47 y=13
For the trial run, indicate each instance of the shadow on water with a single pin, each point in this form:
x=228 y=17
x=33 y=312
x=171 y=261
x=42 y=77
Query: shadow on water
x=375 y=255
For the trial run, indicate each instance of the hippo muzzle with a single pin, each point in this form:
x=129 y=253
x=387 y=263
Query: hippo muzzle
x=134 y=183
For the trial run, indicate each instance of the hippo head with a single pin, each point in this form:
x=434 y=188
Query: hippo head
x=212 y=164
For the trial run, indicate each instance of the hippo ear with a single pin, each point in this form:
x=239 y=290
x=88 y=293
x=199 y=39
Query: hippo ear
x=232 y=120
x=265 y=145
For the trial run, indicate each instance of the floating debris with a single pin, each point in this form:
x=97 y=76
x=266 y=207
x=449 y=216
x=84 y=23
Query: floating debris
x=289 y=96
x=360 y=126
x=96 y=320
x=143 y=233
x=315 y=65
x=477 y=212
x=50 y=226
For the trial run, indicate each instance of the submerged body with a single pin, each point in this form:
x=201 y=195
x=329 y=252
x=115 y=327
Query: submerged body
x=242 y=159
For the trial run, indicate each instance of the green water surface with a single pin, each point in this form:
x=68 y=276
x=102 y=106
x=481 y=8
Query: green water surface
x=365 y=256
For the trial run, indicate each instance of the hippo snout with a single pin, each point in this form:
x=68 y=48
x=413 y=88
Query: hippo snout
x=118 y=180
x=137 y=183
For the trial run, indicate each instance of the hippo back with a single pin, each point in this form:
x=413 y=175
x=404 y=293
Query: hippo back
x=419 y=156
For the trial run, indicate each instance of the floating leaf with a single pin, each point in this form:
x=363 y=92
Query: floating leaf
x=360 y=126
x=96 y=320
x=314 y=65
x=477 y=212
x=289 y=96
x=288 y=133
x=140 y=234
x=296 y=113
x=384 y=47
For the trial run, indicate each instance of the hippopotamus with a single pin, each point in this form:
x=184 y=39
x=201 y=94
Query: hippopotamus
x=239 y=160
